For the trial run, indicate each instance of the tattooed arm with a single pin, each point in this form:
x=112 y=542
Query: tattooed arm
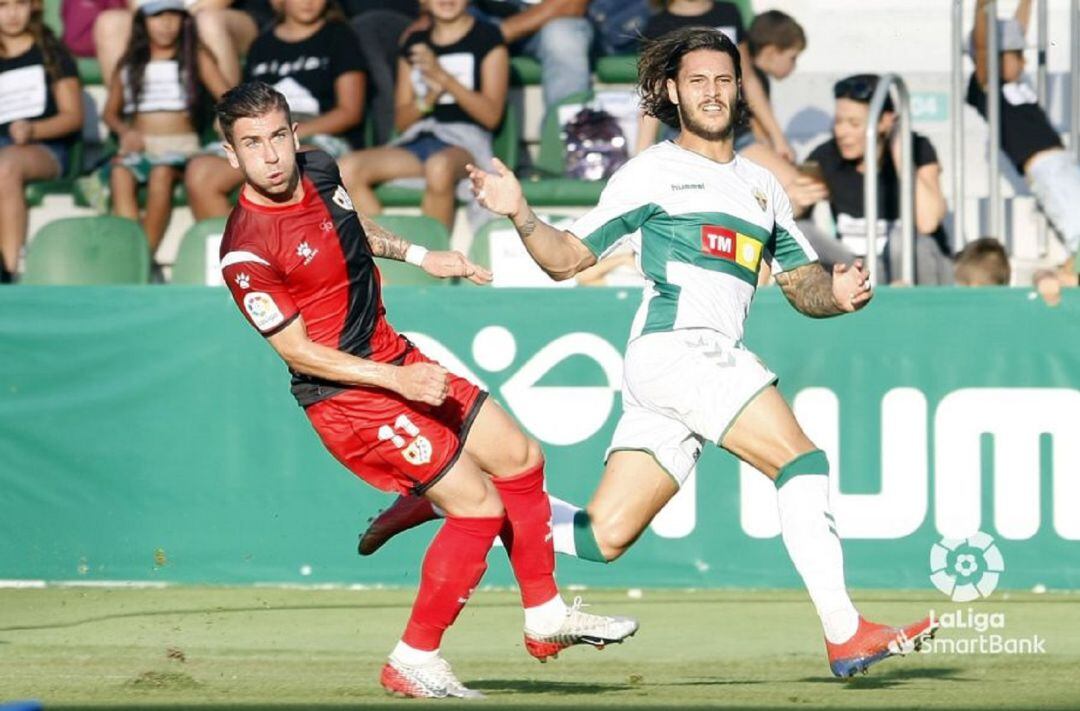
x=813 y=292
x=384 y=243
x=437 y=263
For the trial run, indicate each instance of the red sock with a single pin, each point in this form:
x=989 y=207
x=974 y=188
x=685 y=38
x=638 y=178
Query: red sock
x=454 y=563
x=527 y=534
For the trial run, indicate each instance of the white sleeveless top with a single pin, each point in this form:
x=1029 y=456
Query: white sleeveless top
x=162 y=89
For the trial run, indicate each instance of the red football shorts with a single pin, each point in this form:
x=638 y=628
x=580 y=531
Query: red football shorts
x=392 y=443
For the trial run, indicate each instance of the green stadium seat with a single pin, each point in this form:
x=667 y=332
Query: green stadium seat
x=89 y=71
x=88 y=250
x=420 y=230
x=505 y=144
x=556 y=192
x=524 y=71
x=514 y=264
x=621 y=69
x=201 y=239
x=37 y=190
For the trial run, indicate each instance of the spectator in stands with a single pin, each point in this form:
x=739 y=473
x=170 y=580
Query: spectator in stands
x=451 y=95
x=1027 y=137
x=155 y=103
x=42 y=116
x=380 y=25
x=983 y=262
x=555 y=32
x=311 y=57
x=842 y=159
x=726 y=17
x=226 y=27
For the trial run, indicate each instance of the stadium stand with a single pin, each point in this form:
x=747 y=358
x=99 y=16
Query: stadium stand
x=88 y=250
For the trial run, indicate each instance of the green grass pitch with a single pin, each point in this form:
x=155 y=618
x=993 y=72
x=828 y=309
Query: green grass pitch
x=272 y=648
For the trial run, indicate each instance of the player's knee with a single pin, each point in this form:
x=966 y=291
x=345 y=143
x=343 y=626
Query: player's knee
x=520 y=454
x=439 y=173
x=10 y=173
x=613 y=534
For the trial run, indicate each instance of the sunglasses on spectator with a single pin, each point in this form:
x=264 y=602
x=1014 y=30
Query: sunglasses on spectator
x=859 y=87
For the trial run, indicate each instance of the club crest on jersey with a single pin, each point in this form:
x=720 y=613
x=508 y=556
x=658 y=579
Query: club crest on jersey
x=762 y=201
x=341 y=198
x=304 y=250
x=243 y=280
x=418 y=452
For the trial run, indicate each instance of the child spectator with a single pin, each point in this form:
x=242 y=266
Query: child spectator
x=983 y=262
x=40 y=116
x=1027 y=137
x=154 y=107
x=451 y=94
x=725 y=17
x=311 y=57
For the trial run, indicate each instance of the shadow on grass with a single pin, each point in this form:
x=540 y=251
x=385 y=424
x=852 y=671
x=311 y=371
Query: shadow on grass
x=896 y=676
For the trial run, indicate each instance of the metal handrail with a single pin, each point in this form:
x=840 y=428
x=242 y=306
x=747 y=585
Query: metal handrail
x=959 y=239
x=906 y=174
x=993 y=118
x=1041 y=233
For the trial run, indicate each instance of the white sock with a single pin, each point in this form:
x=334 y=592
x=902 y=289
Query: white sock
x=411 y=655
x=546 y=618
x=562 y=526
x=809 y=535
x=438 y=512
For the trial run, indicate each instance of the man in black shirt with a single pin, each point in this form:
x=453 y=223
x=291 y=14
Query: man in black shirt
x=841 y=159
x=1027 y=137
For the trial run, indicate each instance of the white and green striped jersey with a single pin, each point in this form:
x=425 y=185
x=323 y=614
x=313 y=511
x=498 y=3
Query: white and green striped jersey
x=700 y=230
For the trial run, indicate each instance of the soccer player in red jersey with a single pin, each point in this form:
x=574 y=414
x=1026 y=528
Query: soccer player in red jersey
x=299 y=262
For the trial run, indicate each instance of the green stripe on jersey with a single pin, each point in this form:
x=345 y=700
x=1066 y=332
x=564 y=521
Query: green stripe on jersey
x=604 y=237
x=787 y=249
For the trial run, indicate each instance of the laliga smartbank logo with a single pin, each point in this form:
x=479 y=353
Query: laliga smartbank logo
x=967 y=570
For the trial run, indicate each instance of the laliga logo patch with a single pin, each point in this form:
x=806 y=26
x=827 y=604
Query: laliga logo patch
x=263 y=311
x=341 y=198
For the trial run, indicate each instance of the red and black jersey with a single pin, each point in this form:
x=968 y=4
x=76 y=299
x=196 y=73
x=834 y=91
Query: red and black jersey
x=310 y=259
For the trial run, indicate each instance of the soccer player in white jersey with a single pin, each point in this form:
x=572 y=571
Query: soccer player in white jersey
x=701 y=220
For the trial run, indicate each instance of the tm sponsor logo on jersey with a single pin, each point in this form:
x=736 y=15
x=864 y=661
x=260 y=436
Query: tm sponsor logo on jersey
x=733 y=246
x=304 y=250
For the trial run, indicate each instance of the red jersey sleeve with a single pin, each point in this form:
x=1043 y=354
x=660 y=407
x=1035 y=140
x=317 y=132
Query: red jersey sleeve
x=259 y=290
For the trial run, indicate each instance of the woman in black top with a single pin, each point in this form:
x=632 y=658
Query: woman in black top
x=311 y=57
x=40 y=116
x=451 y=93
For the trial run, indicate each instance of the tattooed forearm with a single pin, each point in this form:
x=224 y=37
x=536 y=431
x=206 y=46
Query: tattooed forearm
x=527 y=227
x=809 y=289
x=384 y=243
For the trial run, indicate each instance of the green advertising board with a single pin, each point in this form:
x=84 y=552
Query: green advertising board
x=148 y=434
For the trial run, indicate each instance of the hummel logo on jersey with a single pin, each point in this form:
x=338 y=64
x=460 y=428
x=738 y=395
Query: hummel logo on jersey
x=688 y=186
x=304 y=250
x=243 y=280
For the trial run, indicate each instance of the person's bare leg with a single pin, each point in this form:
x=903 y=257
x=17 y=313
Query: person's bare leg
x=112 y=30
x=228 y=34
x=123 y=190
x=442 y=171
x=362 y=170
x=767 y=436
x=18 y=166
x=209 y=181
x=158 y=204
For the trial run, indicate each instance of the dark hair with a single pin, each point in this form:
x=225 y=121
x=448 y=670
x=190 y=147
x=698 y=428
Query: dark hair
x=332 y=12
x=661 y=59
x=249 y=100
x=983 y=261
x=137 y=56
x=861 y=88
x=52 y=49
x=775 y=28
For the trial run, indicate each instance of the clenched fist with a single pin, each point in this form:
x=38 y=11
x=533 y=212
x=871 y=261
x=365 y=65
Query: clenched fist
x=423 y=382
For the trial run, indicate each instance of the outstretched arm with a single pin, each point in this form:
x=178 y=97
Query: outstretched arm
x=814 y=293
x=559 y=253
x=442 y=264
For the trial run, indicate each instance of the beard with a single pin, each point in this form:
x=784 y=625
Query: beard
x=690 y=124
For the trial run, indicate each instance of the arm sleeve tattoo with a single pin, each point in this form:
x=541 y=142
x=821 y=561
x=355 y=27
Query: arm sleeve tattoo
x=809 y=289
x=384 y=243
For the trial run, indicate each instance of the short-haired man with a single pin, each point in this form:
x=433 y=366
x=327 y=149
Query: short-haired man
x=299 y=262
